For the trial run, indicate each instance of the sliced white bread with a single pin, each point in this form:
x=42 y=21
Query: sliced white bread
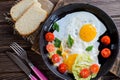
x=17 y=10
x=46 y=5
x=31 y=19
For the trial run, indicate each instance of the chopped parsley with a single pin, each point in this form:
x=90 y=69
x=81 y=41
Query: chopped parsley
x=59 y=52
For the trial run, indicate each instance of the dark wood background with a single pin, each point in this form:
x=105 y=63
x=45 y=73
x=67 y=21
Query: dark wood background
x=10 y=71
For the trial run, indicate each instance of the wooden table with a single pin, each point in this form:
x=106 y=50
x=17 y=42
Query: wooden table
x=10 y=71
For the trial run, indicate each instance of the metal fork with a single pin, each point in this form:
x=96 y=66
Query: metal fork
x=23 y=54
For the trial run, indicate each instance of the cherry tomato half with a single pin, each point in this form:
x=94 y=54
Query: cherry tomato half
x=85 y=73
x=55 y=58
x=49 y=36
x=94 y=68
x=62 y=68
x=105 y=52
x=105 y=40
x=50 y=47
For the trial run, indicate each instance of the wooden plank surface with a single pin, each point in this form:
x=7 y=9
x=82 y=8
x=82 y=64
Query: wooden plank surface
x=10 y=71
x=111 y=7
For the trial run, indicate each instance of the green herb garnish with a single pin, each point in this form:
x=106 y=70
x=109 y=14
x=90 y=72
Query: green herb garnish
x=56 y=27
x=57 y=42
x=59 y=52
x=70 y=41
x=89 y=48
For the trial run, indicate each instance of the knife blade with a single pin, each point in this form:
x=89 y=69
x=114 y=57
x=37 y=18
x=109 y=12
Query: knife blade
x=20 y=63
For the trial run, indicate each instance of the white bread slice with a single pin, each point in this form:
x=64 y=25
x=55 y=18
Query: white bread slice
x=46 y=5
x=31 y=19
x=18 y=9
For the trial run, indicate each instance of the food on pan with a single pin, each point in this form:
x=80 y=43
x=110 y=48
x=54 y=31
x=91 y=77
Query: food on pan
x=18 y=9
x=105 y=40
x=62 y=68
x=49 y=36
x=31 y=19
x=84 y=61
x=73 y=45
x=106 y=52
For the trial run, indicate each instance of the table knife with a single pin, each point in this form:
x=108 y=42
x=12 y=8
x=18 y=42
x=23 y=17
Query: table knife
x=20 y=63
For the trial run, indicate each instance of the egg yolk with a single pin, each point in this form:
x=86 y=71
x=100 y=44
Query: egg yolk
x=70 y=61
x=87 y=32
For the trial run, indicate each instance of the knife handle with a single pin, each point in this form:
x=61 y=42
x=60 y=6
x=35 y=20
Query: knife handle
x=38 y=73
x=32 y=77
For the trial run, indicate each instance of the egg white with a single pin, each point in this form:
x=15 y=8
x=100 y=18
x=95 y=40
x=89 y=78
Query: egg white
x=71 y=24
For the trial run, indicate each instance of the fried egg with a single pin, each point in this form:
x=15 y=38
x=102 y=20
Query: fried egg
x=85 y=29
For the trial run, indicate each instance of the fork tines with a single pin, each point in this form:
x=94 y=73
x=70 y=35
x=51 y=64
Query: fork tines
x=17 y=48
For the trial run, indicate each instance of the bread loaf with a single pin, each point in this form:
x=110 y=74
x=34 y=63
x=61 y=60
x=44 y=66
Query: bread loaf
x=17 y=10
x=31 y=19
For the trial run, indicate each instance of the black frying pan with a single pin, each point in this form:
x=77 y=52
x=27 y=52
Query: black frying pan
x=106 y=64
